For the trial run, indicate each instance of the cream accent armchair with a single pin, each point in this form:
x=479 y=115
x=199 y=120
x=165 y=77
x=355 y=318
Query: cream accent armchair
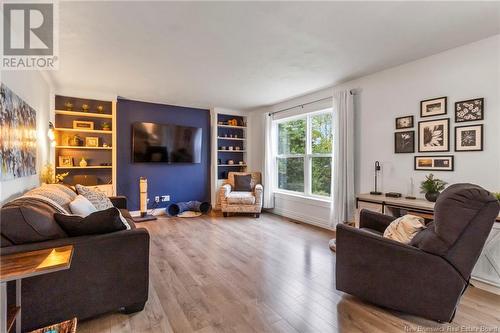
x=242 y=202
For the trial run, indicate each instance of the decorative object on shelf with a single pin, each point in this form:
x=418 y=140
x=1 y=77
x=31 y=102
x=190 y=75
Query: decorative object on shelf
x=469 y=138
x=105 y=164
x=470 y=110
x=232 y=122
x=434 y=135
x=75 y=141
x=92 y=141
x=65 y=139
x=377 y=169
x=236 y=136
x=433 y=107
x=230 y=135
x=241 y=162
x=404 y=122
x=105 y=145
x=48 y=175
x=65 y=161
x=83 y=163
x=18 y=125
x=404 y=142
x=230 y=147
x=237 y=148
x=230 y=162
x=219 y=161
x=68 y=106
x=434 y=163
x=84 y=125
x=106 y=126
x=432 y=187
x=85 y=108
x=220 y=123
x=223 y=148
x=100 y=109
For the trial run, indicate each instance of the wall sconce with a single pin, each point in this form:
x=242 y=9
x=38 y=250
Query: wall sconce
x=51 y=135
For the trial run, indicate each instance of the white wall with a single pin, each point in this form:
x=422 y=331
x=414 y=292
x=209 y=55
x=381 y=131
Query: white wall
x=462 y=73
x=34 y=89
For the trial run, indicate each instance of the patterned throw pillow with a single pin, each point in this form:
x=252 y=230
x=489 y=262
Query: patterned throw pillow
x=98 y=198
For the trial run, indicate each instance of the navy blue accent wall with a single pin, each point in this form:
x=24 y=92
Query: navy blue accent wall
x=183 y=182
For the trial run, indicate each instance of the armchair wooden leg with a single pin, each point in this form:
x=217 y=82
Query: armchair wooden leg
x=256 y=215
x=224 y=214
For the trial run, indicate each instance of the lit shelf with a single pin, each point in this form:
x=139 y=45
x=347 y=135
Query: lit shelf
x=61 y=129
x=84 y=114
x=83 y=147
x=227 y=138
x=231 y=151
x=88 y=167
x=232 y=165
x=230 y=126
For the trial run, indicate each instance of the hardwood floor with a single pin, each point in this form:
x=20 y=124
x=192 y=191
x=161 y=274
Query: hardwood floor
x=241 y=274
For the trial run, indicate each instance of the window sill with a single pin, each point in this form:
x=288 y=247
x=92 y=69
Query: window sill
x=316 y=201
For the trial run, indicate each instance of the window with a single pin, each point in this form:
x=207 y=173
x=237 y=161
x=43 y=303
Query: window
x=304 y=161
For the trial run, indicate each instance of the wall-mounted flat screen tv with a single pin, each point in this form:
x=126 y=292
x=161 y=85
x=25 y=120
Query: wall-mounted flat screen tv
x=165 y=143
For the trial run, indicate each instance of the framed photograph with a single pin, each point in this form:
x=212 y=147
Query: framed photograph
x=65 y=161
x=434 y=135
x=92 y=141
x=434 y=163
x=404 y=142
x=433 y=107
x=470 y=110
x=404 y=122
x=469 y=138
x=80 y=124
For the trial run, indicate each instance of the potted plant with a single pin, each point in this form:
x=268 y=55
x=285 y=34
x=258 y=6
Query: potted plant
x=432 y=187
x=48 y=175
x=106 y=126
x=497 y=195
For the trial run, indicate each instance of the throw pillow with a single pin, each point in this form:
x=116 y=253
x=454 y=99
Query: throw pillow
x=99 y=222
x=242 y=183
x=98 y=198
x=404 y=228
x=82 y=206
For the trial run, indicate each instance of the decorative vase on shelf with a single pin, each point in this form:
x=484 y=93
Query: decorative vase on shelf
x=83 y=163
x=106 y=126
x=85 y=108
x=431 y=196
x=100 y=109
x=68 y=106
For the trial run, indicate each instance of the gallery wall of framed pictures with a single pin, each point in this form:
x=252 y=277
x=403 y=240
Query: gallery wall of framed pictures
x=433 y=133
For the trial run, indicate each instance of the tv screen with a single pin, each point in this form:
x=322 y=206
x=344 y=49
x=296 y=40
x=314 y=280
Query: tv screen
x=165 y=143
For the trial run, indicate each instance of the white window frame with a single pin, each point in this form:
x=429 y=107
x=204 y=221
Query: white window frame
x=307 y=156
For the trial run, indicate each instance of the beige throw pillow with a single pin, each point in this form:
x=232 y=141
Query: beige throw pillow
x=404 y=228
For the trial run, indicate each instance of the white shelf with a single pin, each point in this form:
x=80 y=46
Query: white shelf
x=83 y=147
x=227 y=138
x=232 y=165
x=87 y=167
x=61 y=129
x=230 y=126
x=231 y=151
x=84 y=114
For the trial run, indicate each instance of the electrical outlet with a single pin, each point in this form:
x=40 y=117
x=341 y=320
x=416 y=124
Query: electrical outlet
x=157 y=199
x=165 y=198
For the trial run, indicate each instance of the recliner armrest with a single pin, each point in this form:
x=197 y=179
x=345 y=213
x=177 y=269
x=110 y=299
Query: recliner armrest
x=373 y=220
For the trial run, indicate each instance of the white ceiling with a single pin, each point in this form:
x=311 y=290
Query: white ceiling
x=248 y=54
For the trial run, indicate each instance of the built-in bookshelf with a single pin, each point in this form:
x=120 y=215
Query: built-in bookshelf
x=85 y=141
x=231 y=144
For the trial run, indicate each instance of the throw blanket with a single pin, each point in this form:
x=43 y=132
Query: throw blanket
x=27 y=199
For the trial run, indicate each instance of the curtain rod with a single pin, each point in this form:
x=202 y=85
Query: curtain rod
x=352 y=92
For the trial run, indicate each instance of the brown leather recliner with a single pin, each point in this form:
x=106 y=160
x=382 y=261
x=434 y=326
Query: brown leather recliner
x=427 y=277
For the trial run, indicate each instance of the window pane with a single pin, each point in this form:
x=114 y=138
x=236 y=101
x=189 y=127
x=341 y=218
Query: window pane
x=291 y=174
x=321 y=176
x=292 y=137
x=322 y=134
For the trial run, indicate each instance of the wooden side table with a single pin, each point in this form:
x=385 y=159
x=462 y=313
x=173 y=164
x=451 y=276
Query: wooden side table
x=15 y=267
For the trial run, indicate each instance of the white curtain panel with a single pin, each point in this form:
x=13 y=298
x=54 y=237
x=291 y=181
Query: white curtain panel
x=269 y=162
x=342 y=208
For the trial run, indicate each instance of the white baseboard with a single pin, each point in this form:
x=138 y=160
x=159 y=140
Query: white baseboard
x=157 y=212
x=302 y=218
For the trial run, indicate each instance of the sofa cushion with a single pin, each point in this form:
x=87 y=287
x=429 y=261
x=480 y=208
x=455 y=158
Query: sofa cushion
x=98 y=222
x=98 y=198
x=241 y=198
x=82 y=206
x=28 y=220
x=243 y=183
